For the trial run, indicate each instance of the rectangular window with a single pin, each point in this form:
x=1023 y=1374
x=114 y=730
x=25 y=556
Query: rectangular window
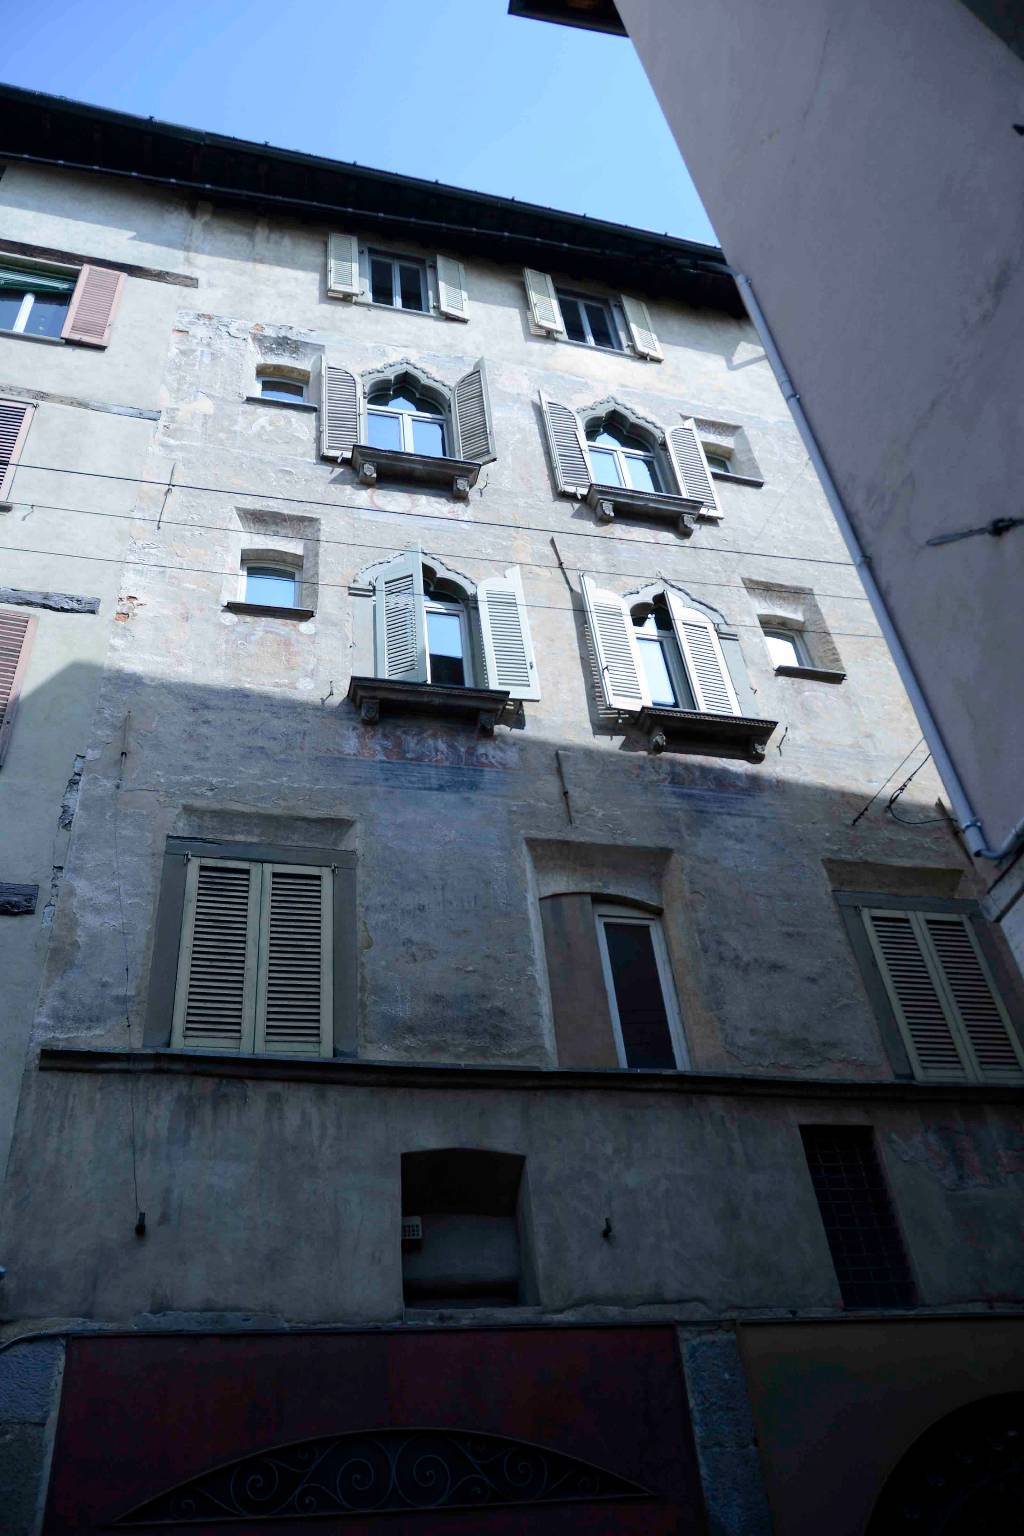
x=446 y=644
x=589 y=320
x=274 y=388
x=943 y=995
x=787 y=648
x=860 y=1224
x=271 y=586
x=255 y=966
x=641 y=997
x=400 y=282
x=34 y=303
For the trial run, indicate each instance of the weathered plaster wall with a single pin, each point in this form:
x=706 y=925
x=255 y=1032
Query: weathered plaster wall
x=873 y=224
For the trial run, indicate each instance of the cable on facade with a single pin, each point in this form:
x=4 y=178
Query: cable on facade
x=344 y=586
x=865 y=808
x=477 y=522
x=162 y=522
x=904 y=821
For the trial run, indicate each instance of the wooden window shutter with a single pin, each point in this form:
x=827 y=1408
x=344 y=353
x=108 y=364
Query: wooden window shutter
x=641 y=331
x=343 y=281
x=705 y=663
x=691 y=467
x=214 y=998
x=618 y=655
x=15 y=420
x=505 y=630
x=16 y=633
x=452 y=298
x=339 y=411
x=545 y=310
x=942 y=994
x=567 y=446
x=399 y=619
x=295 y=973
x=474 y=427
x=91 y=311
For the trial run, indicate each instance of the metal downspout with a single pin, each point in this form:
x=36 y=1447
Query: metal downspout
x=970 y=823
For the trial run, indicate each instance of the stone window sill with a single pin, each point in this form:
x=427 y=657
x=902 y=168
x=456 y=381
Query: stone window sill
x=608 y=501
x=688 y=730
x=372 y=695
x=269 y=611
x=373 y=464
x=47 y=341
x=812 y=674
x=288 y=405
x=722 y=474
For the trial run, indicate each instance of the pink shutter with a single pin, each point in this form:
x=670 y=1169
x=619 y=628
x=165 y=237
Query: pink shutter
x=92 y=306
x=15 y=420
x=16 y=631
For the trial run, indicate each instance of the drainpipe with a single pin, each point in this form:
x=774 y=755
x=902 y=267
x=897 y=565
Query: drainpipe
x=970 y=823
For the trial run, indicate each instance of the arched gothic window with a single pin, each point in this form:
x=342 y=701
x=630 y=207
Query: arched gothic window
x=621 y=458
x=399 y=417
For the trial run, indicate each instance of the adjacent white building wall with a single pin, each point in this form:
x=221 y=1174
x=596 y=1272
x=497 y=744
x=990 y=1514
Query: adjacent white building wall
x=860 y=164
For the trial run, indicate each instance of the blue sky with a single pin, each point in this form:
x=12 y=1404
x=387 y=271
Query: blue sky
x=454 y=90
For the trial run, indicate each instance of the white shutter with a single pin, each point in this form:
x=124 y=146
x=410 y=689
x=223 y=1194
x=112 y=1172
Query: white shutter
x=339 y=411
x=343 y=280
x=452 y=298
x=567 y=447
x=974 y=1004
x=705 y=663
x=691 y=467
x=294 y=990
x=216 y=984
x=505 y=630
x=641 y=331
x=16 y=633
x=15 y=420
x=618 y=655
x=400 y=621
x=545 y=310
x=473 y=426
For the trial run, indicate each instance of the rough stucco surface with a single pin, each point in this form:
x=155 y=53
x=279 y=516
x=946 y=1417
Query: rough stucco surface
x=871 y=221
x=279 y=1201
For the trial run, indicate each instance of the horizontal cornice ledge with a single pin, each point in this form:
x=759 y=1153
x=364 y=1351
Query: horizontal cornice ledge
x=384 y=1074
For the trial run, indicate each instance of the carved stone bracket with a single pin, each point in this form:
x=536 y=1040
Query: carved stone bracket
x=374 y=464
x=372 y=695
x=690 y=730
x=609 y=501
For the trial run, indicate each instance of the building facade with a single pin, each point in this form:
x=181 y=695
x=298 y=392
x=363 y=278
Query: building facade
x=493 y=1064
x=872 y=226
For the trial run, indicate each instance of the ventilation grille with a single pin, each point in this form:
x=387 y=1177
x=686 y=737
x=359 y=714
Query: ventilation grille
x=860 y=1225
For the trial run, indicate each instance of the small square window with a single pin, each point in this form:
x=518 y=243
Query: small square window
x=34 y=303
x=274 y=388
x=589 y=320
x=718 y=461
x=787 y=648
x=400 y=282
x=271 y=586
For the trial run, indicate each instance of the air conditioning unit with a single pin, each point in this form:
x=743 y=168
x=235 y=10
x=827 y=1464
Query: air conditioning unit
x=412 y=1229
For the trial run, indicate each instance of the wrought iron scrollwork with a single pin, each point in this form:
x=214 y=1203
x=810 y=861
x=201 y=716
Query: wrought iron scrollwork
x=383 y=1471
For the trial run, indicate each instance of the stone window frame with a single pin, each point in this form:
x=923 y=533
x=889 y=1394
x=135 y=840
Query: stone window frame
x=170 y=914
x=626 y=912
x=850 y=904
x=274 y=538
x=290 y=374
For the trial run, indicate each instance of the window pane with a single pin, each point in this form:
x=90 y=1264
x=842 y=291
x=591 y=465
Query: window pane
x=783 y=649
x=604 y=467
x=381 y=285
x=411 y=286
x=46 y=317
x=641 y=474
x=718 y=461
x=10 y=304
x=444 y=642
x=659 y=678
x=382 y=430
x=601 y=326
x=638 y=996
x=428 y=437
x=282 y=389
x=276 y=589
x=574 y=327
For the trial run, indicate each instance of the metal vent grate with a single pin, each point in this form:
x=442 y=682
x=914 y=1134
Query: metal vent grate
x=412 y=1229
x=860 y=1224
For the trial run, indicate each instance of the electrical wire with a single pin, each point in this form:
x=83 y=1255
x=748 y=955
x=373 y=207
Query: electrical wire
x=865 y=808
x=162 y=522
x=344 y=586
x=477 y=522
x=905 y=821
